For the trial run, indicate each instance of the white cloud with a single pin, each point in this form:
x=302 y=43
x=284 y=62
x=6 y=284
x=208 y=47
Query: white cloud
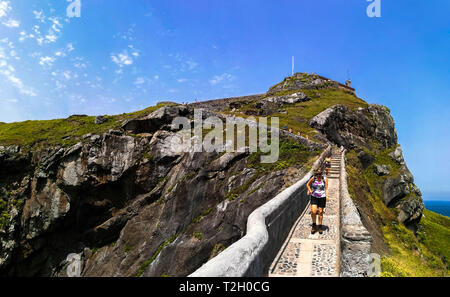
x=67 y=75
x=191 y=64
x=39 y=15
x=60 y=54
x=24 y=36
x=140 y=81
x=56 y=26
x=52 y=34
x=46 y=61
x=226 y=77
x=4 y=8
x=70 y=47
x=181 y=80
x=129 y=35
x=36 y=29
x=11 y=23
x=185 y=64
x=79 y=65
x=122 y=59
x=50 y=38
x=17 y=83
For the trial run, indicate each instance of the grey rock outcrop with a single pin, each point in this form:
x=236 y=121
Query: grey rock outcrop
x=353 y=129
x=394 y=189
x=156 y=119
x=100 y=120
x=365 y=159
x=411 y=211
x=381 y=170
x=287 y=99
x=397 y=155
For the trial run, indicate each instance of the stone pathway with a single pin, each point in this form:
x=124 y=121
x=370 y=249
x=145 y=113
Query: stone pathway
x=304 y=254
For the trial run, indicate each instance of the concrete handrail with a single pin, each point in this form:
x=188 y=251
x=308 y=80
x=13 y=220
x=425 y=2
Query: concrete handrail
x=355 y=239
x=266 y=231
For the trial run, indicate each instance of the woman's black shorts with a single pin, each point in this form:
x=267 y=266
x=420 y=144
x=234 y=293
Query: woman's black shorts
x=320 y=202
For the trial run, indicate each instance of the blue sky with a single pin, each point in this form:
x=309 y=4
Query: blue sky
x=121 y=56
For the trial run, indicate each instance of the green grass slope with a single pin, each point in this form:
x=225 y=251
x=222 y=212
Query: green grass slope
x=299 y=114
x=64 y=132
x=404 y=254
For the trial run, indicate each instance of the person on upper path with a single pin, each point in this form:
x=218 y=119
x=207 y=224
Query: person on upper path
x=318 y=189
x=328 y=165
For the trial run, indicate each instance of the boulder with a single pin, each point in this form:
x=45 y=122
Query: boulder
x=73 y=265
x=411 y=209
x=320 y=120
x=353 y=128
x=394 y=189
x=397 y=155
x=225 y=160
x=407 y=175
x=381 y=170
x=384 y=126
x=167 y=146
x=416 y=190
x=365 y=159
x=155 y=120
x=288 y=99
x=100 y=120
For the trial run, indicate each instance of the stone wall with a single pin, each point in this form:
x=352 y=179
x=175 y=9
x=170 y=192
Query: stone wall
x=225 y=103
x=355 y=239
x=267 y=228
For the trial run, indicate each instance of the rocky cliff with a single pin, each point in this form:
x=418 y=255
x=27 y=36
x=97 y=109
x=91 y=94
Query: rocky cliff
x=112 y=197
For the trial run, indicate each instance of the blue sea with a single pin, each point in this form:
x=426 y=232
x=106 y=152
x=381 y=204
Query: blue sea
x=440 y=207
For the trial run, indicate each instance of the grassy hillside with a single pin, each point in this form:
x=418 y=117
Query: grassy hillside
x=403 y=253
x=65 y=132
x=298 y=115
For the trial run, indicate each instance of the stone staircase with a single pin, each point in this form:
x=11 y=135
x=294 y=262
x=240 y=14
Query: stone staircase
x=304 y=254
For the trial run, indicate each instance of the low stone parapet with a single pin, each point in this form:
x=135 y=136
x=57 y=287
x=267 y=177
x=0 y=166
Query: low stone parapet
x=355 y=239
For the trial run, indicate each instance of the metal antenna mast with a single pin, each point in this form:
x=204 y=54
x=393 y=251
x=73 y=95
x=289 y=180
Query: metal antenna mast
x=293 y=65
